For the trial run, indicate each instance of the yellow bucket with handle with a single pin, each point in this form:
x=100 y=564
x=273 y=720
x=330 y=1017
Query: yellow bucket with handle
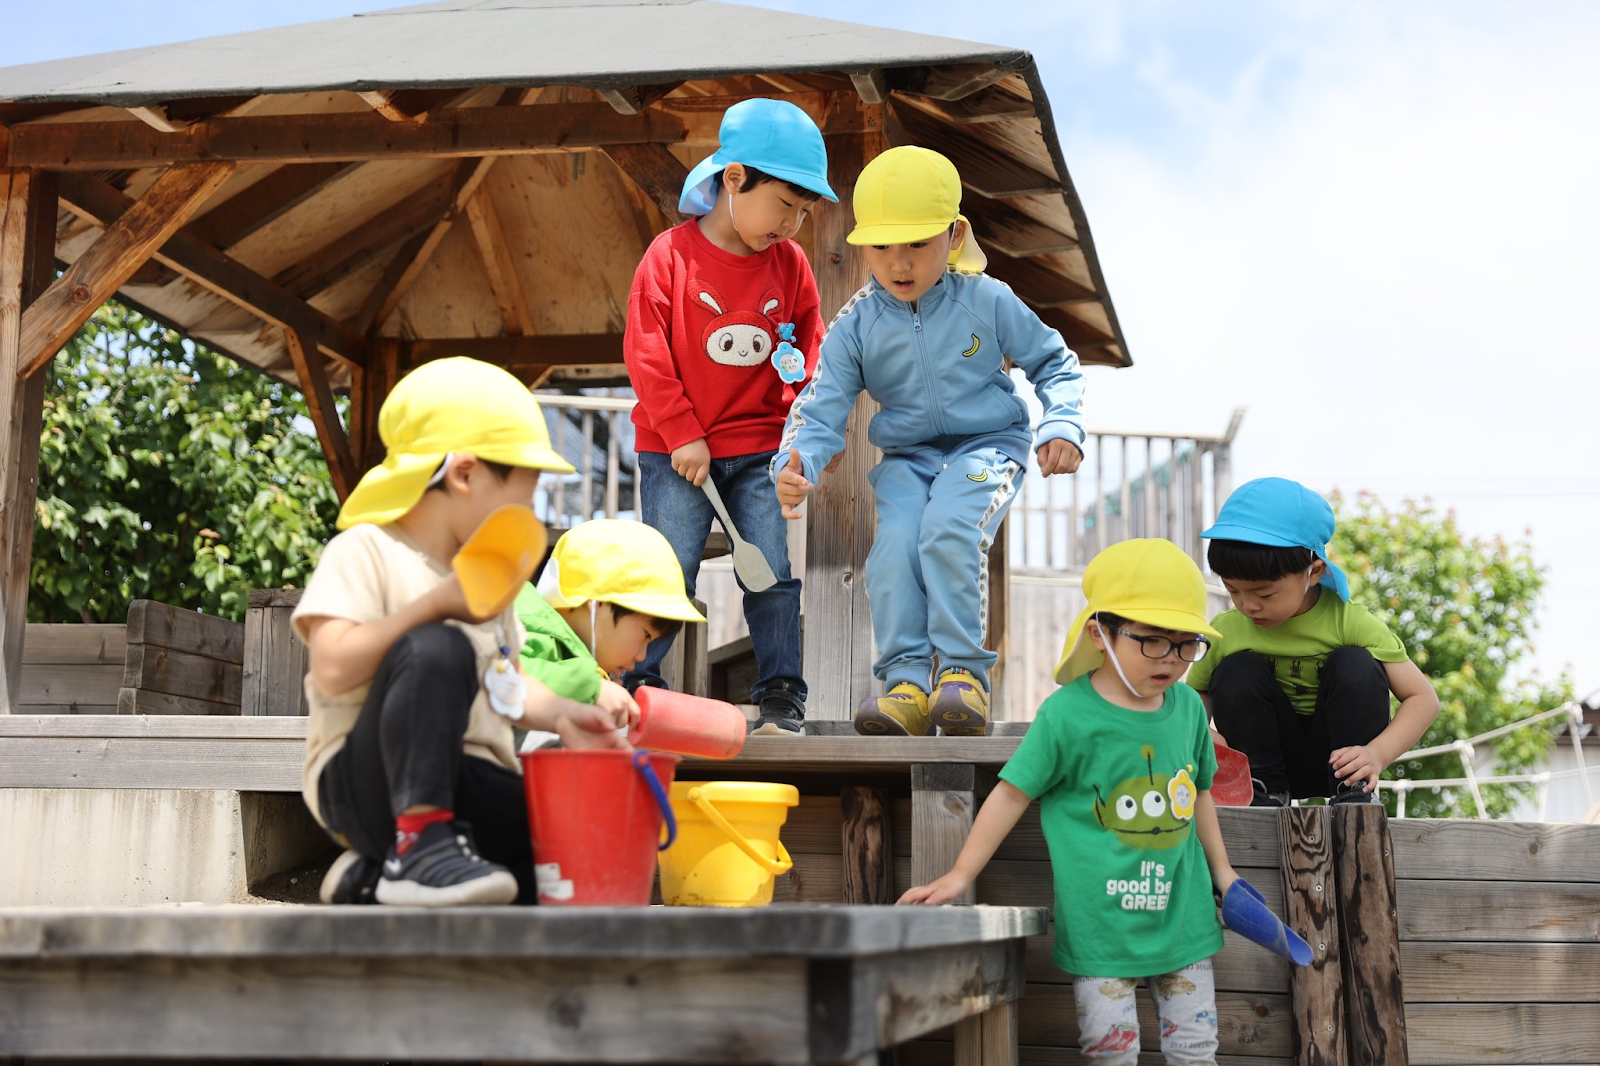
x=728 y=852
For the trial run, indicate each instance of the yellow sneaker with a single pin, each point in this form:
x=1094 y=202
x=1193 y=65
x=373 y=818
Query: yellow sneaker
x=960 y=704
x=901 y=712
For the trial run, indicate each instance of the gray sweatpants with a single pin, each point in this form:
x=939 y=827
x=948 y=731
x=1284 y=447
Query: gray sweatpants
x=1186 y=1013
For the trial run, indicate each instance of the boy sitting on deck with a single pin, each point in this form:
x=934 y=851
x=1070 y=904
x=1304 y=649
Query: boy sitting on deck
x=928 y=338
x=407 y=743
x=723 y=324
x=575 y=648
x=1121 y=762
x=1301 y=677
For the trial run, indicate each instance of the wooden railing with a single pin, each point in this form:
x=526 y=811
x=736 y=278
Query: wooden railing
x=1131 y=484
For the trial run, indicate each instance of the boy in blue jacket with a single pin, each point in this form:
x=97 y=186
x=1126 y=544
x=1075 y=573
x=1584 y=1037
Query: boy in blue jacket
x=928 y=338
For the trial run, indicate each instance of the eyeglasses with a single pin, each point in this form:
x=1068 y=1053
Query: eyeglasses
x=1153 y=647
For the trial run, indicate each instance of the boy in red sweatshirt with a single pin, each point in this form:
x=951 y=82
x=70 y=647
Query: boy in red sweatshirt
x=723 y=327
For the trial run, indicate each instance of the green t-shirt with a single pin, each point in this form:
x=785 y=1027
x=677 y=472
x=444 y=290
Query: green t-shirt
x=1117 y=791
x=1298 y=648
x=553 y=653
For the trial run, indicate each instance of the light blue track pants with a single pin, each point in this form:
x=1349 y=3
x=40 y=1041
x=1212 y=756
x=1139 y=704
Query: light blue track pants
x=928 y=571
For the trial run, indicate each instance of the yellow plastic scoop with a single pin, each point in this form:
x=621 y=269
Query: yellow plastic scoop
x=499 y=558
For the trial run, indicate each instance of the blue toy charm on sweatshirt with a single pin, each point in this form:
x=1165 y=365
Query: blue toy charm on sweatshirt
x=791 y=366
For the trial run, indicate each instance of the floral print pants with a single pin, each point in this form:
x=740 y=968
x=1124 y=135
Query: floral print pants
x=1186 y=1014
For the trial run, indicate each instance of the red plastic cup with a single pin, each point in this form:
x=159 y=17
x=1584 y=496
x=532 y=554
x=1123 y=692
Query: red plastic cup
x=687 y=725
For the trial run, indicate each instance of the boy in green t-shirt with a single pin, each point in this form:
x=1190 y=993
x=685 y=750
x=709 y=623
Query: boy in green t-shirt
x=575 y=648
x=1300 y=680
x=1121 y=762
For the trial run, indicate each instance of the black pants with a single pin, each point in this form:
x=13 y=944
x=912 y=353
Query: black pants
x=1289 y=751
x=405 y=751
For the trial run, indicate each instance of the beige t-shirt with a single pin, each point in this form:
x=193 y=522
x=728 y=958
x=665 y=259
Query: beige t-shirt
x=366 y=573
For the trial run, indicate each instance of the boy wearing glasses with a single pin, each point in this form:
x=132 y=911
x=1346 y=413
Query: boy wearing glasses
x=1301 y=678
x=1121 y=761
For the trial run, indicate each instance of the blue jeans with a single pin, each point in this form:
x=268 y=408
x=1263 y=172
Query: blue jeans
x=683 y=514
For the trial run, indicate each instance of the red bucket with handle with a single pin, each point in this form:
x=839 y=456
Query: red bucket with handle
x=1230 y=786
x=597 y=819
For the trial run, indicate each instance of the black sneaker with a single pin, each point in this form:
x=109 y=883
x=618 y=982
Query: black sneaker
x=779 y=718
x=443 y=869
x=352 y=878
x=1344 y=793
x=1263 y=798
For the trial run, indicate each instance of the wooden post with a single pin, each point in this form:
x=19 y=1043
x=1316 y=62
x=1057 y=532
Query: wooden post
x=275 y=660
x=989 y=1039
x=1369 y=934
x=1316 y=992
x=868 y=844
x=27 y=266
x=838 y=648
x=378 y=379
x=313 y=375
x=944 y=802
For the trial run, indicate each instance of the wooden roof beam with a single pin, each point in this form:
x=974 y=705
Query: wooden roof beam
x=954 y=81
x=126 y=244
x=997 y=103
x=470 y=174
x=265 y=202
x=313 y=374
x=634 y=99
x=216 y=272
x=983 y=170
x=411 y=105
x=655 y=171
x=498 y=265
x=315 y=272
x=450 y=132
x=545 y=350
x=872 y=85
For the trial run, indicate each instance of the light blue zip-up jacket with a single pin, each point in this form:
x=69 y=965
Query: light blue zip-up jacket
x=938 y=372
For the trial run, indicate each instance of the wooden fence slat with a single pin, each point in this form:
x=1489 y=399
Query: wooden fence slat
x=1442 y=1033
x=1502 y=911
x=1428 y=849
x=275 y=663
x=67 y=684
x=162 y=625
x=1369 y=938
x=143 y=701
x=181 y=673
x=866 y=835
x=50 y=642
x=943 y=805
x=1311 y=909
x=1464 y=972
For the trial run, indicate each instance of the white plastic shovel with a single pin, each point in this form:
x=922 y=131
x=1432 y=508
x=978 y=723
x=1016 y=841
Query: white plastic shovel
x=748 y=561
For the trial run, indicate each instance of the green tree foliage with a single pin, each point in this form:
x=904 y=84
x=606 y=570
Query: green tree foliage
x=169 y=472
x=1465 y=609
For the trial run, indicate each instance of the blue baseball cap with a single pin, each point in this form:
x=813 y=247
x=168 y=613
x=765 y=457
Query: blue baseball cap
x=1281 y=513
x=775 y=137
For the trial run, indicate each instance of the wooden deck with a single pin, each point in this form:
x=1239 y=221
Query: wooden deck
x=1488 y=952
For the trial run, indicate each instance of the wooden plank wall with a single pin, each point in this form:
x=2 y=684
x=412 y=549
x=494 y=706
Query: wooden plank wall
x=1255 y=1017
x=72 y=669
x=1499 y=940
x=180 y=662
x=275 y=659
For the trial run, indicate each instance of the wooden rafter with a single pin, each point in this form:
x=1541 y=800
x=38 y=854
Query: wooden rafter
x=469 y=175
x=11 y=114
x=399 y=263
x=951 y=82
x=633 y=99
x=498 y=264
x=218 y=273
x=983 y=170
x=1000 y=225
x=411 y=105
x=451 y=132
x=871 y=85
x=262 y=203
x=313 y=374
x=655 y=170
x=550 y=349
x=997 y=103
x=348 y=252
x=111 y=260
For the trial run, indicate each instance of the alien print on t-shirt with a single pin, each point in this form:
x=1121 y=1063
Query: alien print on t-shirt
x=1147 y=812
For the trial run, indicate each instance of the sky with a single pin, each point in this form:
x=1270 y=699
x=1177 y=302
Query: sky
x=1370 y=224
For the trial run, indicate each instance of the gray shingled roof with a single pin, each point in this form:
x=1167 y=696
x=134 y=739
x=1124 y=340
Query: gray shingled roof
x=490 y=42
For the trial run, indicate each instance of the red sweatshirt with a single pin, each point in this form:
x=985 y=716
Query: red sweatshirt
x=702 y=327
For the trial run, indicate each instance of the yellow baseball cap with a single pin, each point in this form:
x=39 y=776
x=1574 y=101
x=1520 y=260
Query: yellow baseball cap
x=912 y=194
x=449 y=405
x=1150 y=581
x=612 y=560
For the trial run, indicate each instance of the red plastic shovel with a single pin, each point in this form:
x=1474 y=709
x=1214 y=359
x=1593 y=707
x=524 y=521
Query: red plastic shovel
x=1231 y=785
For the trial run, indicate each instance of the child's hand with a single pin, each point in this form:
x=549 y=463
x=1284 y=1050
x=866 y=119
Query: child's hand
x=1356 y=765
x=1059 y=457
x=951 y=886
x=586 y=726
x=450 y=602
x=692 y=461
x=793 y=487
x=615 y=701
